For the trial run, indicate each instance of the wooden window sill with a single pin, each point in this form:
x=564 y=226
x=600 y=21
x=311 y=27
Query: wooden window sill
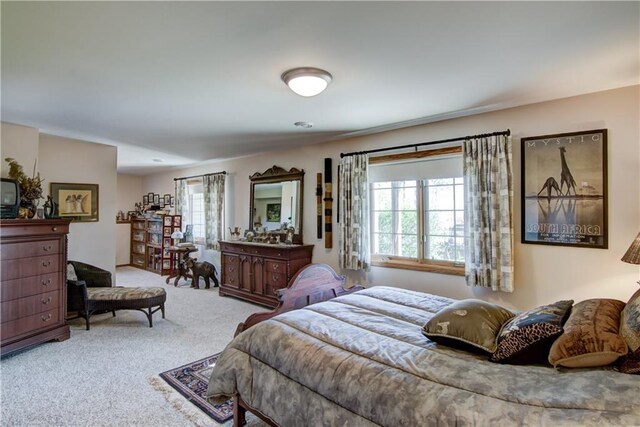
x=444 y=268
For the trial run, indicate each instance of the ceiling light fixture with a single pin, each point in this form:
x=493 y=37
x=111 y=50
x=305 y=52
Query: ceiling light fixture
x=305 y=125
x=307 y=81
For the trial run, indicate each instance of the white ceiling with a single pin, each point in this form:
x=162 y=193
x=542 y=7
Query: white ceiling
x=189 y=82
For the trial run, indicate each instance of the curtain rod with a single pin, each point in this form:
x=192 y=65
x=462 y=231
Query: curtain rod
x=441 y=141
x=200 y=176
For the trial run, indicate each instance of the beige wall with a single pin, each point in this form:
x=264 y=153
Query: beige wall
x=543 y=273
x=69 y=160
x=129 y=192
x=74 y=161
x=20 y=143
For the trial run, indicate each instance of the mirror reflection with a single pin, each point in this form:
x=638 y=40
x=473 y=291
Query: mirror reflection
x=276 y=206
x=275 y=209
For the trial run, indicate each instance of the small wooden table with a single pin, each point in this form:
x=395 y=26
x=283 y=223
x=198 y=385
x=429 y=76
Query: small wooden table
x=180 y=270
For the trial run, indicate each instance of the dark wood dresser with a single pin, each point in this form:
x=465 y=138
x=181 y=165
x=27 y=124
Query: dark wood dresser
x=255 y=271
x=32 y=285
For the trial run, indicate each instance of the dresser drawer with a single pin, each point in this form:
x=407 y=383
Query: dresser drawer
x=33 y=323
x=25 y=267
x=40 y=228
x=34 y=285
x=30 y=249
x=275 y=267
x=24 y=307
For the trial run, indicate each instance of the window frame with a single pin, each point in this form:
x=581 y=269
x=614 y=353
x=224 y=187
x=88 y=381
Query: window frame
x=198 y=240
x=421 y=263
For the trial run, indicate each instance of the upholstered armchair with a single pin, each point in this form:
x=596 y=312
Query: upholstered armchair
x=88 y=276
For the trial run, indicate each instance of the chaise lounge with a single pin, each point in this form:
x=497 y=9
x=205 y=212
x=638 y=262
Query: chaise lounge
x=90 y=290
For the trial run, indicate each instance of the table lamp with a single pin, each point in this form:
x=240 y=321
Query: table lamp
x=177 y=236
x=632 y=256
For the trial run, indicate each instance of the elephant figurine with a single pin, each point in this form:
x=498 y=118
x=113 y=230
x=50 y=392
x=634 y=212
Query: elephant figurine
x=206 y=270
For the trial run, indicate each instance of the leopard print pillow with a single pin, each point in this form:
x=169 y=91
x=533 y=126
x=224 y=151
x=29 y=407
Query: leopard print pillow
x=527 y=337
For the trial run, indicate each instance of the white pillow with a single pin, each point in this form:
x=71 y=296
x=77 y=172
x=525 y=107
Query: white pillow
x=71 y=273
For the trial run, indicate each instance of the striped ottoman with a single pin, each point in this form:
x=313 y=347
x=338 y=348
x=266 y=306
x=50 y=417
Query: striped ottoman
x=123 y=298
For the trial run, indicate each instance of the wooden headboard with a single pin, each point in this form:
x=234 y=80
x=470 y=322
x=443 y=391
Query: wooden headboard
x=312 y=284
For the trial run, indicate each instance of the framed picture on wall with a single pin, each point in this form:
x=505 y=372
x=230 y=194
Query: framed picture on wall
x=167 y=199
x=156 y=199
x=167 y=231
x=167 y=221
x=76 y=201
x=564 y=189
x=145 y=200
x=177 y=221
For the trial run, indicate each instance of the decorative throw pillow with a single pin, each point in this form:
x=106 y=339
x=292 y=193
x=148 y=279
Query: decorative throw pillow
x=591 y=335
x=71 y=272
x=630 y=322
x=468 y=324
x=527 y=337
x=631 y=363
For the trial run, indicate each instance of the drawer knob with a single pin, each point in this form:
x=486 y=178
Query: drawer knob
x=46 y=282
x=46 y=248
x=275 y=277
x=46 y=263
x=275 y=266
x=46 y=318
x=54 y=228
x=46 y=301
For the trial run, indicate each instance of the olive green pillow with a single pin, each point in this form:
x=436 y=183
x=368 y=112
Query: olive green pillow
x=591 y=336
x=468 y=324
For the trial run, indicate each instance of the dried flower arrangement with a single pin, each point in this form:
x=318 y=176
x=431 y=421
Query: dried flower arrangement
x=30 y=188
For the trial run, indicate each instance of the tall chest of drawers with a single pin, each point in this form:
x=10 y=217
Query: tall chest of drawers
x=33 y=293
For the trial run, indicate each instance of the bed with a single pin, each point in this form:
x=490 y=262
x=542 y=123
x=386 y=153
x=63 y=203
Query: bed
x=360 y=359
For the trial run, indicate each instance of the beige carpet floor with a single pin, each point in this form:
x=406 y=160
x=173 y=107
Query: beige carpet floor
x=107 y=376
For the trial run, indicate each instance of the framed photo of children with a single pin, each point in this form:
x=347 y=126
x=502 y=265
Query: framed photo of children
x=76 y=201
x=564 y=189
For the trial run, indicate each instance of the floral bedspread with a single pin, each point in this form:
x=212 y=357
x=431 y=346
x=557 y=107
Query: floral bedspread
x=361 y=360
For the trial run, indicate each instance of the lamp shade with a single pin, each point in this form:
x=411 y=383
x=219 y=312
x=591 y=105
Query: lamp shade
x=632 y=256
x=307 y=81
x=177 y=234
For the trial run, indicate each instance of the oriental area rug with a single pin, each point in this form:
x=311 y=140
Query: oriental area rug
x=191 y=382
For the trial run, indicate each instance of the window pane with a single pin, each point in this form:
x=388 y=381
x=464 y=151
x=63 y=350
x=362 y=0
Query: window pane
x=408 y=246
x=383 y=244
x=441 y=223
x=459 y=249
x=382 y=222
x=441 y=181
x=407 y=199
x=377 y=185
x=441 y=198
x=382 y=200
x=459 y=196
x=442 y=248
x=459 y=180
x=409 y=222
x=459 y=223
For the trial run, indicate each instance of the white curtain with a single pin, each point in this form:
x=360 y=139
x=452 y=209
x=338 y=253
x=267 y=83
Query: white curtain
x=355 y=251
x=182 y=199
x=213 y=189
x=488 y=212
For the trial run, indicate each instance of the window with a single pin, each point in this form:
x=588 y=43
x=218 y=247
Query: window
x=417 y=214
x=195 y=216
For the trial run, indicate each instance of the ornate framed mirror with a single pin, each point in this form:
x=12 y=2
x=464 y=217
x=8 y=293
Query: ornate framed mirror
x=276 y=202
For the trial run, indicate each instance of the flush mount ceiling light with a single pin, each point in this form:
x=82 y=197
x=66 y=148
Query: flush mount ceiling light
x=305 y=125
x=307 y=81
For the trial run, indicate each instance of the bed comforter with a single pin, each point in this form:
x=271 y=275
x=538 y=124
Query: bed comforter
x=361 y=360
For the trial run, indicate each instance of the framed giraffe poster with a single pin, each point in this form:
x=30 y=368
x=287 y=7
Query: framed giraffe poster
x=564 y=189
